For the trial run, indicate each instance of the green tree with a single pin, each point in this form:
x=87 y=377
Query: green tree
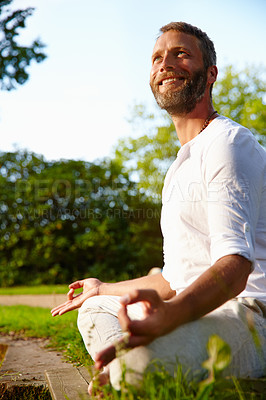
x=15 y=58
x=239 y=95
x=65 y=220
x=148 y=157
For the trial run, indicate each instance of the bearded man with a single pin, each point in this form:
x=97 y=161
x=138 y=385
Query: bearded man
x=214 y=228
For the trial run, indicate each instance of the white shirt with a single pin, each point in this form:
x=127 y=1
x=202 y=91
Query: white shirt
x=214 y=204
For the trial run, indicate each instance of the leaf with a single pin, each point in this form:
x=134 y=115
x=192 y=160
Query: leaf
x=219 y=356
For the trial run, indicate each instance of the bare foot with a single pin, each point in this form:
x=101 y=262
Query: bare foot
x=103 y=378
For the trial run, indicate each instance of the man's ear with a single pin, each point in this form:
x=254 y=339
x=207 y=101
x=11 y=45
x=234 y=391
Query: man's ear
x=212 y=74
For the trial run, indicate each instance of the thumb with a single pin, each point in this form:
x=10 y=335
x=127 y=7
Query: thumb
x=70 y=294
x=123 y=318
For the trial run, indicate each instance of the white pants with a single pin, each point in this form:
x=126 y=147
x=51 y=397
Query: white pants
x=99 y=327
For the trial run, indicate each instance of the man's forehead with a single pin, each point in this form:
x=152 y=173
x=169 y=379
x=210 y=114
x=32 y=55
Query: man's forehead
x=174 y=38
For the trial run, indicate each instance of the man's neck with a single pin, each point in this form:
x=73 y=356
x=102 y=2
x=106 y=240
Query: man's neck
x=189 y=126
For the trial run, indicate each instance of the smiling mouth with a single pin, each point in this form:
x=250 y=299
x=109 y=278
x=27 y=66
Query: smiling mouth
x=171 y=80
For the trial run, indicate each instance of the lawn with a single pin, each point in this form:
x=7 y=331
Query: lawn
x=41 y=289
x=64 y=336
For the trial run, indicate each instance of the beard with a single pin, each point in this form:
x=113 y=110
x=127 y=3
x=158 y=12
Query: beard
x=185 y=99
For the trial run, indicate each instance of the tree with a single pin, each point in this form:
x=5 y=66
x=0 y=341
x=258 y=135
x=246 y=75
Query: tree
x=239 y=95
x=64 y=220
x=15 y=58
x=148 y=157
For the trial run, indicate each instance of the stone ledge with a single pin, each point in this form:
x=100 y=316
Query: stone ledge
x=68 y=383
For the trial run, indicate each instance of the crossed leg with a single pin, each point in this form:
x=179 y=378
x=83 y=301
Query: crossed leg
x=99 y=326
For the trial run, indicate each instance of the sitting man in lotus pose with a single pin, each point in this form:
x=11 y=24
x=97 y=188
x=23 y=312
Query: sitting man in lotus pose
x=214 y=229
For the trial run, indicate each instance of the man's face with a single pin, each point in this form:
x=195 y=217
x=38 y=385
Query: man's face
x=178 y=77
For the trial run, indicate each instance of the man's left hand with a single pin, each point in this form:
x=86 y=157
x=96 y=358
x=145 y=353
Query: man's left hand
x=139 y=332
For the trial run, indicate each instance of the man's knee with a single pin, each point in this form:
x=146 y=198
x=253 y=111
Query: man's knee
x=84 y=319
x=95 y=305
x=98 y=323
x=91 y=303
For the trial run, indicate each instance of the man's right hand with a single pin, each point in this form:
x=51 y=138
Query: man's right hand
x=90 y=288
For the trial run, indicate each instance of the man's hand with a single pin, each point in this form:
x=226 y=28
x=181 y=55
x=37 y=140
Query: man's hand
x=139 y=332
x=94 y=287
x=90 y=288
x=218 y=284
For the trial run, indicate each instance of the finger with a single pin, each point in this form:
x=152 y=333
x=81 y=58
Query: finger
x=105 y=356
x=66 y=303
x=57 y=308
x=67 y=309
x=69 y=297
x=135 y=341
x=57 y=311
x=123 y=318
x=67 y=306
x=77 y=284
x=136 y=295
x=147 y=327
x=148 y=308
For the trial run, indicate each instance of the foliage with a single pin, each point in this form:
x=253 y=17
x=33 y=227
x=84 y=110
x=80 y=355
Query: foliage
x=65 y=220
x=239 y=95
x=149 y=156
x=14 y=57
x=158 y=384
x=219 y=358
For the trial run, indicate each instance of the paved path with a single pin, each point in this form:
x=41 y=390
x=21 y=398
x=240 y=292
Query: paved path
x=26 y=360
x=38 y=300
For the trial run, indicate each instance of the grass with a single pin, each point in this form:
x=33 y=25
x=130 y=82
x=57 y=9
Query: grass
x=27 y=392
x=64 y=336
x=41 y=289
x=159 y=385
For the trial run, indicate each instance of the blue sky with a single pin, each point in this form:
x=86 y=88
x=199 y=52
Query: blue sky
x=76 y=103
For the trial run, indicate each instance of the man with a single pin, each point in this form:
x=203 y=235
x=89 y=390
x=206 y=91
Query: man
x=214 y=228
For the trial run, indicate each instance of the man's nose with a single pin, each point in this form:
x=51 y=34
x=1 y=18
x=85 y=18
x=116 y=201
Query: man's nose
x=167 y=63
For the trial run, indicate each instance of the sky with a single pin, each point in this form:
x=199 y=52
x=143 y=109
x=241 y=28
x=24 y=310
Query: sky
x=77 y=103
